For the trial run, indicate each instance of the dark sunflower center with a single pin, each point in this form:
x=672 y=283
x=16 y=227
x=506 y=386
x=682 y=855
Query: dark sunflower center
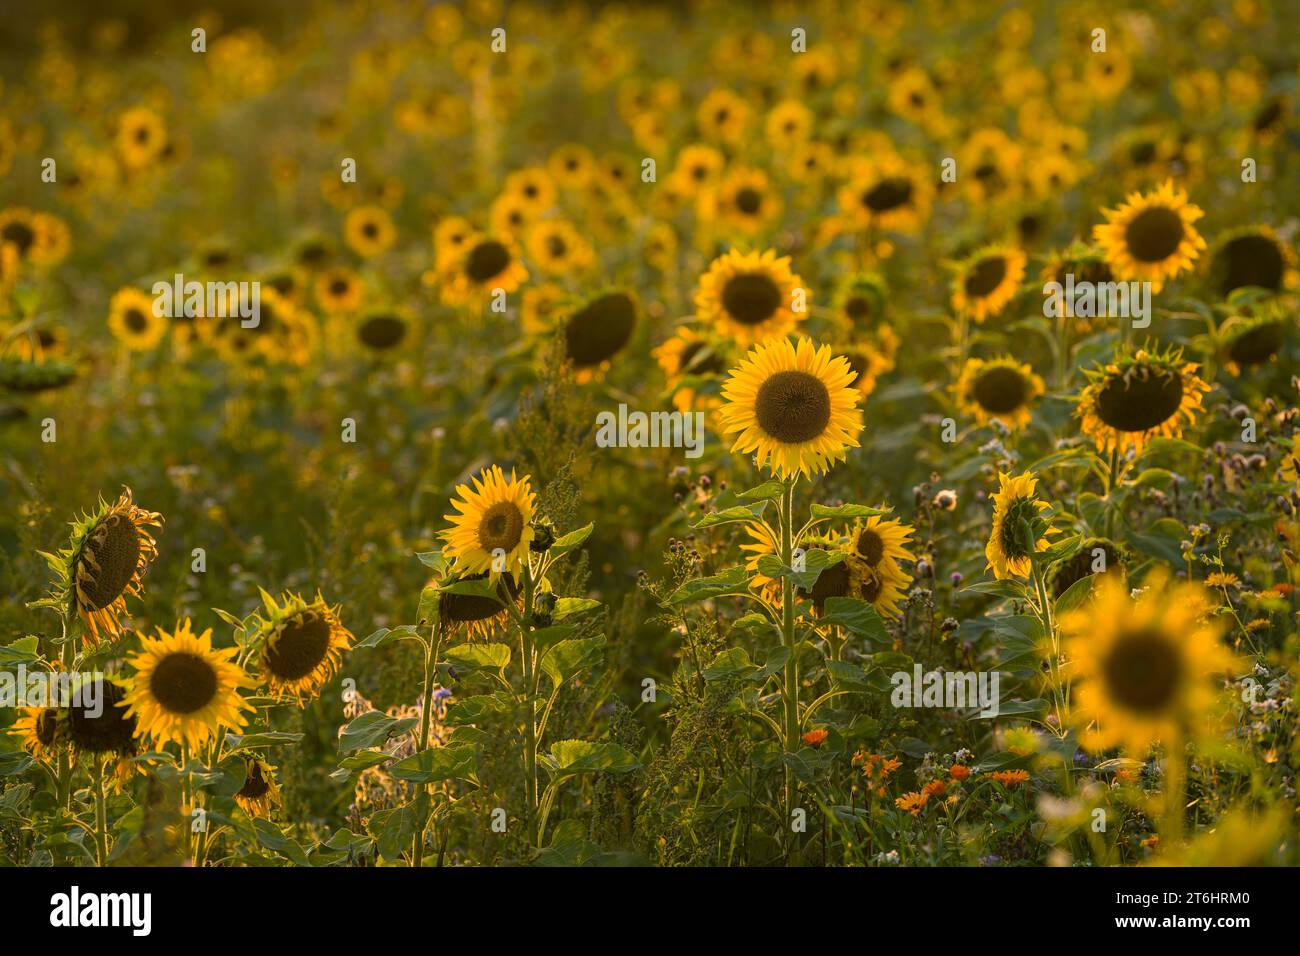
x=47 y=723
x=870 y=546
x=985 y=276
x=748 y=201
x=1142 y=152
x=869 y=590
x=112 y=730
x=486 y=260
x=109 y=561
x=135 y=320
x=501 y=526
x=1257 y=345
x=300 y=647
x=1269 y=115
x=183 y=683
x=888 y=194
x=1154 y=234
x=694 y=362
x=467 y=608
x=255 y=784
x=600 y=329
x=1142 y=672
x=20 y=234
x=369 y=230
x=1138 y=403
x=1079 y=566
x=555 y=246
x=999 y=390
x=382 y=331
x=1251 y=260
x=338 y=286
x=751 y=298
x=793 y=407
x=833 y=582
x=857 y=307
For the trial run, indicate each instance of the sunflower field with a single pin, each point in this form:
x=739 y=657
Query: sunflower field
x=834 y=434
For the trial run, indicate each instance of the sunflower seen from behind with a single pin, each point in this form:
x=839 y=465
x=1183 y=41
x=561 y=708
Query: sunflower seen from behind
x=1143 y=394
x=184 y=691
x=1151 y=237
x=301 y=644
x=260 y=794
x=492 y=528
x=793 y=406
x=1019 y=529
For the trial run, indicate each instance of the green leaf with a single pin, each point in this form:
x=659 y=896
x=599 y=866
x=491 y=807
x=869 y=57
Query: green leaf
x=485 y=656
x=571 y=607
x=21 y=651
x=574 y=539
x=476 y=587
x=745 y=513
x=567 y=658
x=856 y=616
x=825 y=512
x=1012 y=708
x=569 y=757
x=271 y=837
x=361 y=760
x=263 y=739
x=395 y=831
x=847 y=675
x=815 y=562
x=387 y=634
x=1075 y=595
x=372 y=729
x=730 y=581
x=437 y=764
x=733 y=662
x=767 y=491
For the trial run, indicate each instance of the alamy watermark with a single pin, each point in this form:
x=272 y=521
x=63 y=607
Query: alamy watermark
x=948 y=689
x=212 y=299
x=651 y=430
x=24 y=688
x=1086 y=300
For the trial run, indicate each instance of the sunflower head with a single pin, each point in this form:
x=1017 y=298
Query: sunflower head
x=1251 y=257
x=860 y=302
x=1248 y=341
x=690 y=360
x=1019 y=528
x=183 y=690
x=493 y=526
x=1093 y=556
x=1000 y=389
x=749 y=296
x=98 y=722
x=107 y=556
x=383 y=330
x=987 y=280
x=1151 y=237
x=1145 y=669
x=597 y=330
x=477 y=266
x=881 y=542
x=301 y=644
x=39 y=730
x=1140 y=395
x=260 y=794
x=793 y=406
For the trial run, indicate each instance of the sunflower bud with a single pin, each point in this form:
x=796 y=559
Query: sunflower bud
x=543 y=538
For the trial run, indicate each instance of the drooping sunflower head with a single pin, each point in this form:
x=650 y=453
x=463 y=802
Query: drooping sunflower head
x=479 y=615
x=1141 y=395
x=260 y=794
x=1145 y=669
x=107 y=556
x=1248 y=341
x=39 y=731
x=987 y=280
x=1150 y=238
x=690 y=359
x=598 y=330
x=493 y=526
x=793 y=407
x=1094 y=556
x=183 y=690
x=1000 y=389
x=749 y=296
x=301 y=644
x=1019 y=528
x=883 y=586
x=1251 y=256
x=98 y=721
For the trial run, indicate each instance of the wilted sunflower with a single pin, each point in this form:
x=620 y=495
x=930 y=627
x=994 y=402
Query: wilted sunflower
x=383 y=330
x=597 y=330
x=688 y=354
x=1019 y=529
x=260 y=794
x=35 y=375
x=38 y=730
x=493 y=529
x=1139 y=396
x=368 y=231
x=749 y=296
x=183 y=690
x=1150 y=238
x=132 y=321
x=478 y=615
x=794 y=407
x=99 y=722
x=1252 y=256
x=1145 y=669
x=987 y=281
x=301 y=644
x=107 y=556
x=998 y=388
x=1248 y=341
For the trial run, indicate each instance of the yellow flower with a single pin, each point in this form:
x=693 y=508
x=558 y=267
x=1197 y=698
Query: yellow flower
x=493 y=529
x=301 y=644
x=132 y=320
x=1140 y=396
x=1000 y=389
x=260 y=794
x=1150 y=238
x=368 y=231
x=987 y=281
x=749 y=296
x=141 y=137
x=1019 y=530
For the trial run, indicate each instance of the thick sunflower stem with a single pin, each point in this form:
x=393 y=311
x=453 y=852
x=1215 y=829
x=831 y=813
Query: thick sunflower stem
x=68 y=658
x=791 y=690
x=530 y=694
x=431 y=652
x=101 y=815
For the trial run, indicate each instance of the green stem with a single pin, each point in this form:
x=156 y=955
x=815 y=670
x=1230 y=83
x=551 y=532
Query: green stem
x=101 y=815
x=791 y=690
x=530 y=695
x=432 y=650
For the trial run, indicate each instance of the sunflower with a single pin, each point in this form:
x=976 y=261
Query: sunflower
x=481 y=266
x=571 y=165
x=723 y=116
x=53 y=240
x=493 y=529
x=534 y=187
x=860 y=300
x=749 y=296
x=1145 y=669
x=999 y=389
x=301 y=644
x=558 y=248
x=313 y=251
x=132 y=320
x=762 y=541
x=1151 y=237
x=107 y=556
x=260 y=794
x=882 y=586
x=510 y=216
x=99 y=723
x=368 y=231
x=871 y=358
x=449 y=238
x=788 y=123
x=339 y=290
x=688 y=354
x=1253 y=256
x=746 y=200
x=542 y=308
x=987 y=281
x=1093 y=556
x=383 y=330
x=141 y=137
x=881 y=543
x=794 y=407
x=1139 y=396
x=597 y=330
x=38 y=731
x=1019 y=529
x=887 y=194
x=18 y=228
x=478 y=615
x=1249 y=341
x=184 y=691
x=697 y=168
